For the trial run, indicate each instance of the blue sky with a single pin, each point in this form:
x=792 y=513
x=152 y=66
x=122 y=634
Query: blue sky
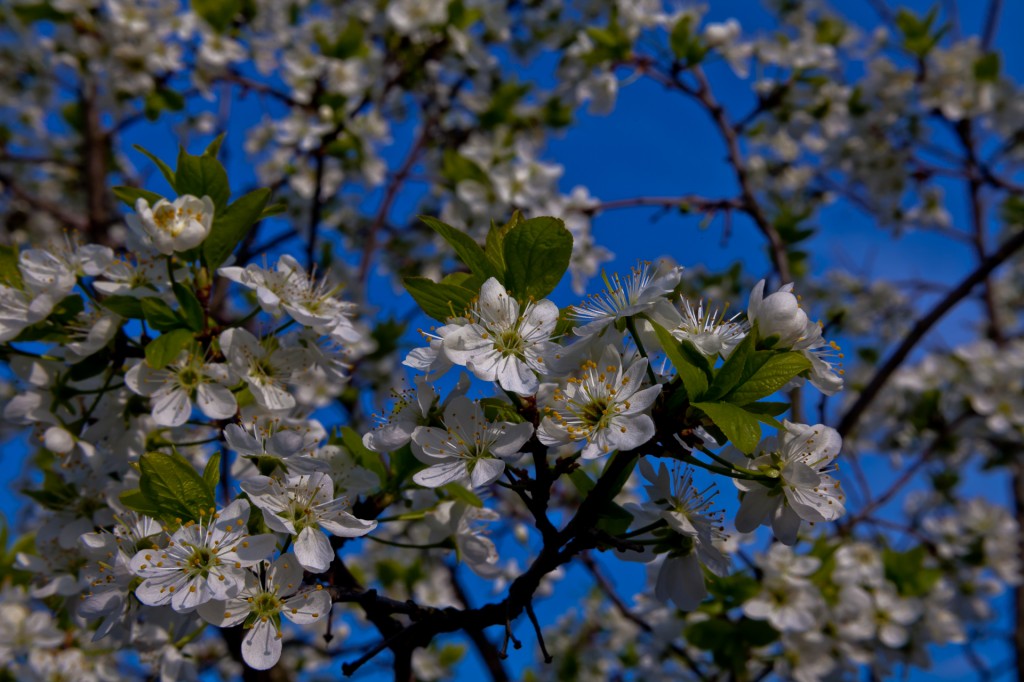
x=657 y=144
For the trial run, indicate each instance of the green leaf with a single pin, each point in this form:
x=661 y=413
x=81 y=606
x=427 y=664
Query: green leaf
x=162 y=99
x=679 y=38
x=772 y=375
x=686 y=46
x=582 y=481
x=738 y=425
x=217 y=13
x=439 y=301
x=129 y=195
x=909 y=572
x=498 y=410
x=460 y=493
x=10 y=275
x=770 y=409
x=692 y=375
x=613 y=519
x=191 y=308
x=126 y=306
x=164 y=349
x=623 y=475
x=468 y=250
x=213 y=149
x=166 y=170
x=346 y=43
x=986 y=69
x=211 y=472
x=202 y=176
x=731 y=371
x=174 y=486
x=134 y=499
x=455 y=168
x=160 y=315
x=494 y=246
x=366 y=458
x=273 y=210
x=231 y=225
x=38 y=11
x=537 y=253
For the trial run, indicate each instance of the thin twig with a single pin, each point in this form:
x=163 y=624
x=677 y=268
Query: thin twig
x=540 y=634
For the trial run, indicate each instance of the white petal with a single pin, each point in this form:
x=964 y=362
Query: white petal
x=216 y=401
x=786 y=525
x=486 y=471
x=172 y=407
x=308 y=607
x=313 y=550
x=261 y=648
x=285 y=574
x=345 y=525
x=440 y=474
x=756 y=505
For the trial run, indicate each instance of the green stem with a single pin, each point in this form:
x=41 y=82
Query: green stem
x=283 y=327
x=631 y=326
x=251 y=314
x=29 y=354
x=660 y=523
x=443 y=543
x=731 y=465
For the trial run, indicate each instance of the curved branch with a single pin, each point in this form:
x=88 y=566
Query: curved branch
x=921 y=327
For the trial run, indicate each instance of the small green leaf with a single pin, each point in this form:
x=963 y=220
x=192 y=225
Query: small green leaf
x=693 y=377
x=162 y=99
x=772 y=375
x=731 y=371
x=166 y=170
x=494 y=246
x=468 y=250
x=460 y=493
x=613 y=519
x=770 y=409
x=129 y=195
x=273 y=210
x=217 y=13
x=191 y=308
x=366 y=458
x=211 y=472
x=739 y=426
x=231 y=225
x=582 y=481
x=10 y=275
x=213 y=149
x=134 y=499
x=165 y=349
x=160 y=315
x=439 y=301
x=537 y=254
x=175 y=487
x=202 y=176
x=498 y=410
x=126 y=306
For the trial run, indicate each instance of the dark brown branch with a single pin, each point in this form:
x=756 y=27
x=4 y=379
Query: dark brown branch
x=390 y=194
x=923 y=325
x=777 y=248
x=55 y=210
x=94 y=164
x=609 y=591
x=687 y=203
x=488 y=652
x=995 y=7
